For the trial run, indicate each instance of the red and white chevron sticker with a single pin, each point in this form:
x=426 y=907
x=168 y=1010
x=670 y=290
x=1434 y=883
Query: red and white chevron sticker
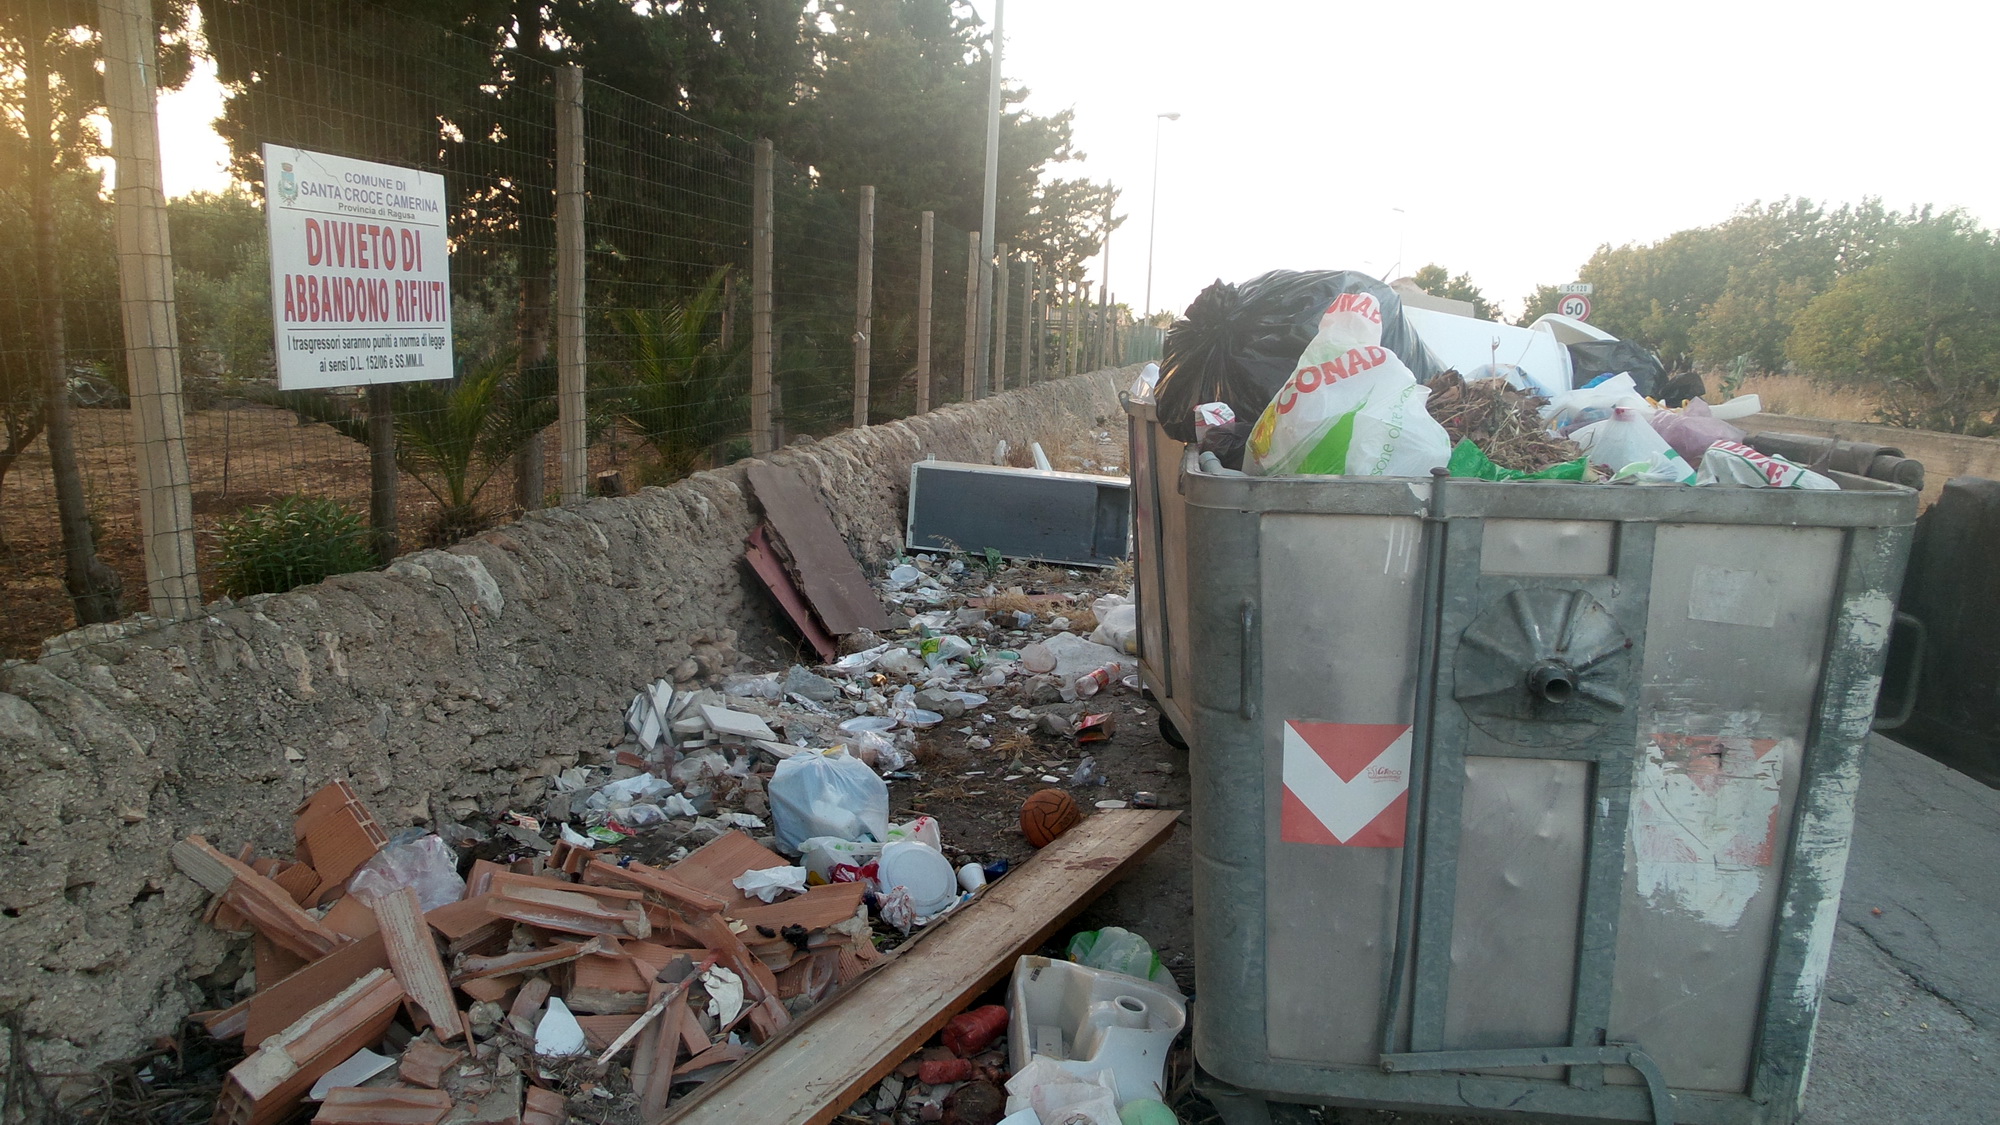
x=1346 y=784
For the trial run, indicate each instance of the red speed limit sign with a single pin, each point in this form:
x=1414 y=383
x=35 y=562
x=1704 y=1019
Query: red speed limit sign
x=1576 y=306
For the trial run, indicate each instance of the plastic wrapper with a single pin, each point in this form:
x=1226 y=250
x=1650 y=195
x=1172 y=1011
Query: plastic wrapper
x=1733 y=463
x=1119 y=950
x=1623 y=439
x=768 y=884
x=827 y=793
x=1693 y=429
x=1567 y=413
x=1351 y=408
x=1141 y=390
x=1239 y=343
x=427 y=865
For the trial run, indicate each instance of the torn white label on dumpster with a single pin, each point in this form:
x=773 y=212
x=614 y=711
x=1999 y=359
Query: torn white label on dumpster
x=1734 y=597
x=1705 y=821
x=1346 y=784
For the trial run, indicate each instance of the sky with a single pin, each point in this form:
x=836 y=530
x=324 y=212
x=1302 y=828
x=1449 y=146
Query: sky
x=1505 y=141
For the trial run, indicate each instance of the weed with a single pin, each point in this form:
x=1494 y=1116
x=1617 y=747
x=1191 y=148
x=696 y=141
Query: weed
x=295 y=541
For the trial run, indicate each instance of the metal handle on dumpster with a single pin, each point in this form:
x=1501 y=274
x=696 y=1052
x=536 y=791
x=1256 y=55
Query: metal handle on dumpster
x=1611 y=1054
x=1246 y=703
x=1908 y=705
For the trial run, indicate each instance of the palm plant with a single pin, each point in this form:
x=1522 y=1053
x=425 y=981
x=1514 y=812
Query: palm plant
x=683 y=385
x=454 y=435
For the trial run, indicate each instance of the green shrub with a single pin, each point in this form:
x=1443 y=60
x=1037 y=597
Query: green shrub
x=296 y=541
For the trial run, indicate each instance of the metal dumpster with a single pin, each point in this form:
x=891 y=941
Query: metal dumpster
x=1515 y=797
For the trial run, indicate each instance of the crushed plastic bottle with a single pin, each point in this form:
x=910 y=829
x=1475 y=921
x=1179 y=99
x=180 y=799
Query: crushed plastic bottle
x=1097 y=679
x=1087 y=773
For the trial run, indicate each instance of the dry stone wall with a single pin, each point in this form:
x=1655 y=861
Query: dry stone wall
x=466 y=676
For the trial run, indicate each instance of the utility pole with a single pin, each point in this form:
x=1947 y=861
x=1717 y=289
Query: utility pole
x=1153 y=208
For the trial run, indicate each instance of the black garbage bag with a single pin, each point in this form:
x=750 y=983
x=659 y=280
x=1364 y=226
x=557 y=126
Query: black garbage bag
x=1592 y=358
x=1228 y=442
x=1239 y=343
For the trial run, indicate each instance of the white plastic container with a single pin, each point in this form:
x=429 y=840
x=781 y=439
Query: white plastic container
x=1092 y=1022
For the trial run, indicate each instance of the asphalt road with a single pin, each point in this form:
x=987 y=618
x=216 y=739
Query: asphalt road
x=1910 y=1027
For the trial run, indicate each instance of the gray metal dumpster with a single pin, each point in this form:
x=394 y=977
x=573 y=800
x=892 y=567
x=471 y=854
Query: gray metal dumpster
x=1519 y=797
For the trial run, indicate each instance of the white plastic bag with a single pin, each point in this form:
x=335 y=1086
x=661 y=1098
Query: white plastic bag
x=769 y=883
x=827 y=793
x=1573 y=410
x=1732 y=462
x=1118 y=627
x=427 y=865
x=1627 y=438
x=1351 y=408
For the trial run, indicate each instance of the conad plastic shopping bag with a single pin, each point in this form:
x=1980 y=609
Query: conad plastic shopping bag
x=1351 y=408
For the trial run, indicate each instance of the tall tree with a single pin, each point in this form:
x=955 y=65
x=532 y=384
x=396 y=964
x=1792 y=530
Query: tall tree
x=1919 y=326
x=1438 y=282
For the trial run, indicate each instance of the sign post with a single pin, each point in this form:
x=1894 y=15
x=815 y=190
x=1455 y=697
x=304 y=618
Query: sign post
x=360 y=285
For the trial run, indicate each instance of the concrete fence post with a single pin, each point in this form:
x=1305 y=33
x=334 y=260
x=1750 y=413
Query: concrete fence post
x=760 y=302
x=570 y=358
x=924 y=280
x=864 y=304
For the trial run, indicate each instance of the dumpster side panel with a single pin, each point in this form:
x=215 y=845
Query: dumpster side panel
x=1520 y=885
x=1736 y=639
x=1341 y=657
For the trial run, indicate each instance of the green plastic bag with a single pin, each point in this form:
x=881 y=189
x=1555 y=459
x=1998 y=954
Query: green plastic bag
x=1468 y=460
x=1119 y=950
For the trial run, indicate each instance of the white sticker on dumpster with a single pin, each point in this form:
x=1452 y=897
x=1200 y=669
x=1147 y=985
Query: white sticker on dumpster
x=1705 y=821
x=1346 y=784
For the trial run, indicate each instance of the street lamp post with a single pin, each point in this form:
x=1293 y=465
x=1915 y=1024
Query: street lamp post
x=1153 y=209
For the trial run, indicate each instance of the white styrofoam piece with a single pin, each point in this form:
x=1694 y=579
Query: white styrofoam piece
x=359 y=1067
x=738 y=724
x=1110 y=1023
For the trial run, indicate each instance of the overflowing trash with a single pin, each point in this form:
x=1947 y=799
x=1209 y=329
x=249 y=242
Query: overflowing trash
x=1340 y=382
x=673 y=904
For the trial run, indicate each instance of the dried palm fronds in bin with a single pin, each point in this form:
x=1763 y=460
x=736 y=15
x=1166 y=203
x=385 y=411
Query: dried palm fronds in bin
x=1503 y=422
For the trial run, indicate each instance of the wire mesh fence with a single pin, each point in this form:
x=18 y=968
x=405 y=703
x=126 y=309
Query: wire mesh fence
x=669 y=279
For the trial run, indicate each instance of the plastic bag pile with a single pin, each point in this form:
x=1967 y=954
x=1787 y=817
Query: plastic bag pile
x=1334 y=377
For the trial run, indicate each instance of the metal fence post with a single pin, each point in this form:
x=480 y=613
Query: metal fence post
x=760 y=303
x=971 y=314
x=999 y=381
x=570 y=405
x=864 y=304
x=924 y=314
x=146 y=292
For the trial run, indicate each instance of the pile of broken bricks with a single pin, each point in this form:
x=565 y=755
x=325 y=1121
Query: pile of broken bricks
x=566 y=975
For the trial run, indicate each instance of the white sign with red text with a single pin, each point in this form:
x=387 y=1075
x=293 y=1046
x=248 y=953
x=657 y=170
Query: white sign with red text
x=360 y=284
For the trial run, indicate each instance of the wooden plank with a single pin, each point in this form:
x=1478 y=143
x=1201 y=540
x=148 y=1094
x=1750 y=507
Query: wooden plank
x=772 y=573
x=826 y=1059
x=827 y=573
